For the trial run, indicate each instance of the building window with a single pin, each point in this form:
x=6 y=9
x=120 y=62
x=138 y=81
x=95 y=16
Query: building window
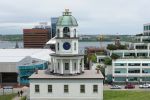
x=58 y=65
x=58 y=46
x=75 y=47
x=95 y=88
x=66 y=32
x=74 y=32
x=37 y=89
x=82 y=88
x=66 y=66
x=66 y=88
x=75 y=66
x=50 y=89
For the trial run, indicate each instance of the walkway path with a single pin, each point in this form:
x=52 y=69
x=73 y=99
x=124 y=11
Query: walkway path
x=19 y=98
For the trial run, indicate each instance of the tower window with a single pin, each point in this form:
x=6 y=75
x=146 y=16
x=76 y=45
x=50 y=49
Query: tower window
x=95 y=88
x=82 y=88
x=75 y=67
x=58 y=65
x=50 y=88
x=37 y=88
x=75 y=47
x=74 y=32
x=66 y=32
x=58 y=46
x=66 y=66
x=66 y=88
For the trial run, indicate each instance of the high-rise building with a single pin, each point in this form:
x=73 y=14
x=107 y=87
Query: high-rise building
x=36 y=37
x=53 y=26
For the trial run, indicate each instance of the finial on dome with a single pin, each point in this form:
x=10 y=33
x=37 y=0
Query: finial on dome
x=66 y=12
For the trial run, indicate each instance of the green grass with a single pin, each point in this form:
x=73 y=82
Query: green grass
x=8 y=96
x=23 y=98
x=126 y=95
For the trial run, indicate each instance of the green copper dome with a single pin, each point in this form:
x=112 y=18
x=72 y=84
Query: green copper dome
x=67 y=19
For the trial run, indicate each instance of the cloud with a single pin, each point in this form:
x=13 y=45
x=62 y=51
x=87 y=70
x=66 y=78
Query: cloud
x=94 y=16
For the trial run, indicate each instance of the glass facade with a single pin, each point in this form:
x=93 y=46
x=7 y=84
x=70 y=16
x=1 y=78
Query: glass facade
x=121 y=79
x=146 y=70
x=134 y=70
x=120 y=70
x=120 y=64
x=53 y=25
x=134 y=64
x=145 y=64
x=133 y=79
x=25 y=71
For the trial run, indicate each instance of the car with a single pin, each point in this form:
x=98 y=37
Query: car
x=129 y=86
x=115 y=87
x=144 y=86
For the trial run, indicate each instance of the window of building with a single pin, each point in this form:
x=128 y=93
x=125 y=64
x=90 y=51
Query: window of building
x=66 y=32
x=75 y=66
x=75 y=47
x=134 y=64
x=82 y=88
x=133 y=70
x=95 y=88
x=37 y=88
x=74 y=32
x=58 y=65
x=66 y=88
x=58 y=46
x=50 y=88
x=66 y=66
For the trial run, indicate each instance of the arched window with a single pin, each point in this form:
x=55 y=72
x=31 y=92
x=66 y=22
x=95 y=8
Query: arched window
x=74 y=32
x=66 y=32
x=58 y=33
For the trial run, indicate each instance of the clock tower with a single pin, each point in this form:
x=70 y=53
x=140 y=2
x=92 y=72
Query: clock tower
x=67 y=59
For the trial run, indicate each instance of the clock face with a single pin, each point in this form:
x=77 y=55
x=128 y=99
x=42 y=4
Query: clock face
x=66 y=45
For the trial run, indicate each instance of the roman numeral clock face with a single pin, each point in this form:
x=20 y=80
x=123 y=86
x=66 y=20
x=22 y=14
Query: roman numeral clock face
x=66 y=45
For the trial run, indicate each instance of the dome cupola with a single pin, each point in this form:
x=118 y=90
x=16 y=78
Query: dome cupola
x=67 y=19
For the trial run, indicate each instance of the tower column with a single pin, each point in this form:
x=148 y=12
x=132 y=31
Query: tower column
x=70 y=66
x=82 y=64
x=62 y=67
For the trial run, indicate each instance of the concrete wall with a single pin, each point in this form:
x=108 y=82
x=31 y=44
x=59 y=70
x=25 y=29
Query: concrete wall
x=74 y=89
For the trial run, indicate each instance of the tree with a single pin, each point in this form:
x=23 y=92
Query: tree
x=107 y=61
x=93 y=58
x=114 y=56
x=111 y=47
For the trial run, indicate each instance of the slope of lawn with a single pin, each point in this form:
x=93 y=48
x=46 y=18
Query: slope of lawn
x=126 y=95
x=7 y=97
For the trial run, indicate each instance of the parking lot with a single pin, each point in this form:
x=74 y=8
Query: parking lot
x=108 y=87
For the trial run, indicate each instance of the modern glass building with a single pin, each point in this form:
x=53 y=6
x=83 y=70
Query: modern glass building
x=53 y=26
x=26 y=70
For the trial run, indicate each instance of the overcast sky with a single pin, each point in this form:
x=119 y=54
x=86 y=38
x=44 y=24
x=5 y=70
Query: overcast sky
x=93 y=16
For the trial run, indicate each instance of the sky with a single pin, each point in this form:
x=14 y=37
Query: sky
x=93 y=16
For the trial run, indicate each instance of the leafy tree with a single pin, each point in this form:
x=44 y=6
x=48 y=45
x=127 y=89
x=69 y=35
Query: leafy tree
x=93 y=58
x=111 y=47
x=114 y=56
x=107 y=61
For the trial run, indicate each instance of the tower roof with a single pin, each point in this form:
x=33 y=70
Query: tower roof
x=67 y=19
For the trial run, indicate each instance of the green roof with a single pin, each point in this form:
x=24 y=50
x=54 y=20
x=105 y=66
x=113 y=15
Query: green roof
x=67 y=20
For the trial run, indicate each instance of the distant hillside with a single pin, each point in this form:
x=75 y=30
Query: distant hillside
x=17 y=37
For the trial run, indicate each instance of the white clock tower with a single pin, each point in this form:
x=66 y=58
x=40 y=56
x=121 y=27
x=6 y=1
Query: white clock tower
x=66 y=59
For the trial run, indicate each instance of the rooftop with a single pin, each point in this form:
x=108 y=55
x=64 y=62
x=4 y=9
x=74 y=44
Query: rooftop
x=16 y=55
x=89 y=74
